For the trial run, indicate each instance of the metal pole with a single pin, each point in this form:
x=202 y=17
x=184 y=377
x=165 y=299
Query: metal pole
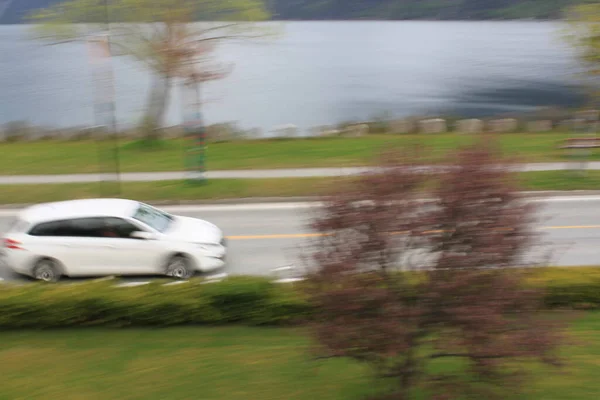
x=111 y=103
x=100 y=104
x=104 y=104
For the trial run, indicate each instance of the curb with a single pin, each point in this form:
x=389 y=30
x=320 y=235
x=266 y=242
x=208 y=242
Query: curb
x=309 y=199
x=243 y=200
x=559 y=193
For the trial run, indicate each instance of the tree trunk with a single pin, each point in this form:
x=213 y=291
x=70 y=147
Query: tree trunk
x=408 y=373
x=156 y=108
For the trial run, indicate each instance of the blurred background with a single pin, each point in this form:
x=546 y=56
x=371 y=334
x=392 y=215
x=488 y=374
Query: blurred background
x=322 y=72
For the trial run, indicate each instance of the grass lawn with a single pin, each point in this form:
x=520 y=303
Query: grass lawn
x=227 y=364
x=560 y=180
x=168 y=190
x=247 y=188
x=54 y=157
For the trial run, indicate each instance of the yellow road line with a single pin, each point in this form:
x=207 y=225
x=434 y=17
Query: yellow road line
x=309 y=235
x=282 y=236
x=573 y=227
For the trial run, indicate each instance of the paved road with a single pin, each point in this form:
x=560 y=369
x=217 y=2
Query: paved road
x=240 y=174
x=267 y=236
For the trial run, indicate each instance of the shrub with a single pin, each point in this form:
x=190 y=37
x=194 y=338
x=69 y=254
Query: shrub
x=16 y=131
x=575 y=287
x=242 y=300
x=238 y=300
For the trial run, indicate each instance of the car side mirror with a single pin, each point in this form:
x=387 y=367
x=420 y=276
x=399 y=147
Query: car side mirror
x=143 y=235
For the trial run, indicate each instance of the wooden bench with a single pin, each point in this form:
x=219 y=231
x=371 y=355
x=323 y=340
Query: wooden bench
x=581 y=143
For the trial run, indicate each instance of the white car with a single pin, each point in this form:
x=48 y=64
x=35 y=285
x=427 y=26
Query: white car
x=100 y=237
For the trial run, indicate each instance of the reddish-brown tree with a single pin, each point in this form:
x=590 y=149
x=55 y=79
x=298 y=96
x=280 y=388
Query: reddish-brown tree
x=424 y=291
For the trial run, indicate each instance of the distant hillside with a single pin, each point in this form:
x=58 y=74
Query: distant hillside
x=421 y=9
x=366 y=9
x=18 y=9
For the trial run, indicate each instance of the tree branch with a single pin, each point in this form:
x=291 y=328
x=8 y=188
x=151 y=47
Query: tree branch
x=216 y=28
x=329 y=357
x=228 y=37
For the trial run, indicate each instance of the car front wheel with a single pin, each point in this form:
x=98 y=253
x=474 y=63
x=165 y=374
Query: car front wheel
x=178 y=267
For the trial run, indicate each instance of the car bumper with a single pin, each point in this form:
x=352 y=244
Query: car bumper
x=208 y=264
x=213 y=260
x=19 y=266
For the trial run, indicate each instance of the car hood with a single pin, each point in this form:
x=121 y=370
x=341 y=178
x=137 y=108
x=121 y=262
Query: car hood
x=194 y=230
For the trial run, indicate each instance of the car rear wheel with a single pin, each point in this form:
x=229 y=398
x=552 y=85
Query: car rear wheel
x=46 y=270
x=179 y=267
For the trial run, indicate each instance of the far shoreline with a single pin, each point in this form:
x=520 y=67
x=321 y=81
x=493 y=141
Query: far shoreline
x=363 y=20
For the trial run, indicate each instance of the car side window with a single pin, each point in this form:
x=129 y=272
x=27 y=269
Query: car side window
x=87 y=227
x=120 y=227
x=78 y=227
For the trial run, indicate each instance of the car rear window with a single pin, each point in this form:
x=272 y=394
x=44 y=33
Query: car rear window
x=52 y=228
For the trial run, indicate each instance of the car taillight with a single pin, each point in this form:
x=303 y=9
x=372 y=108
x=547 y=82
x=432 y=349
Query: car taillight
x=12 y=244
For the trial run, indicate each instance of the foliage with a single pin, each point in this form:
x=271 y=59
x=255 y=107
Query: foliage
x=243 y=300
x=468 y=305
x=386 y=9
x=583 y=33
x=156 y=33
x=569 y=288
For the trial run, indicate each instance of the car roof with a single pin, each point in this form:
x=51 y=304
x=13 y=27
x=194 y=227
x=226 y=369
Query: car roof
x=84 y=208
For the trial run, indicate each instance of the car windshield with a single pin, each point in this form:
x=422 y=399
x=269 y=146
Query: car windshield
x=153 y=217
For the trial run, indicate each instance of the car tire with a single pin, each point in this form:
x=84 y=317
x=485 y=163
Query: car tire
x=46 y=270
x=179 y=267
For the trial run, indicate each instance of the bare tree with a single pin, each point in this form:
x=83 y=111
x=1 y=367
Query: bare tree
x=452 y=323
x=160 y=34
x=582 y=32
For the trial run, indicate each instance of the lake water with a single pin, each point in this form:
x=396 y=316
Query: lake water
x=316 y=73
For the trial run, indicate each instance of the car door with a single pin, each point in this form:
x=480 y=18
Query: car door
x=130 y=255
x=89 y=247
x=73 y=242
x=53 y=239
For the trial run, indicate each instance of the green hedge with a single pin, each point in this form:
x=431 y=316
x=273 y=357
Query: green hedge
x=574 y=287
x=236 y=300
x=244 y=300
